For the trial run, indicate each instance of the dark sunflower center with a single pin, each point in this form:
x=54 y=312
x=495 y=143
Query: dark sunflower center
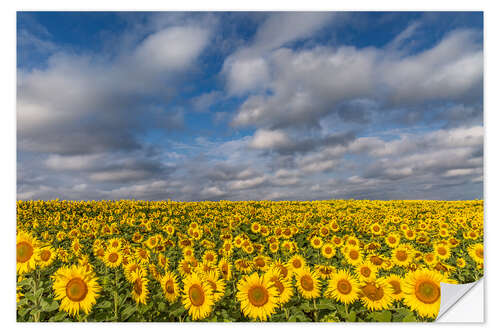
x=76 y=289
x=196 y=295
x=401 y=255
x=328 y=250
x=442 y=251
x=24 y=251
x=344 y=287
x=138 y=286
x=427 y=292
x=258 y=296
x=259 y=262
x=297 y=263
x=392 y=240
x=372 y=292
x=365 y=271
x=278 y=285
x=307 y=283
x=169 y=287
x=479 y=253
x=45 y=255
x=376 y=228
x=354 y=254
x=113 y=257
x=284 y=271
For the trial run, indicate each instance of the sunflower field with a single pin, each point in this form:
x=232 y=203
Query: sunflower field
x=319 y=261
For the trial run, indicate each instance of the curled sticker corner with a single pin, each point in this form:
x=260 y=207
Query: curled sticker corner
x=451 y=294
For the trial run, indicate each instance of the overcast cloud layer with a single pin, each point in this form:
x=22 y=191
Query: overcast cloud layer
x=250 y=106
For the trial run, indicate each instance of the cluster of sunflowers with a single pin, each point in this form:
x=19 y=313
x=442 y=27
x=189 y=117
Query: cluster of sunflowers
x=338 y=260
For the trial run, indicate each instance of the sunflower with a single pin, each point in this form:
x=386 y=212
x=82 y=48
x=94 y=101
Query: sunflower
x=217 y=285
x=296 y=263
x=366 y=271
x=261 y=262
x=112 y=258
x=343 y=287
x=244 y=266
x=442 y=251
x=316 y=242
x=186 y=266
x=115 y=243
x=46 y=256
x=132 y=267
x=197 y=297
x=376 y=294
x=353 y=255
x=396 y=283
x=76 y=289
x=376 y=229
x=392 y=240
x=274 y=247
x=284 y=268
x=142 y=255
x=324 y=271
x=26 y=247
x=283 y=286
x=308 y=283
x=461 y=262
x=476 y=252
x=170 y=286
x=76 y=247
x=402 y=255
x=210 y=256
x=225 y=269
x=328 y=250
x=422 y=292
x=430 y=259
x=140 y=287
x=188 y=251
x=255 y=227
x=258 y=296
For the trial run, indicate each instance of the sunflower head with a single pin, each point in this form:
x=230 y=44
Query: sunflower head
x=76 y=288
x=26 y=249
x=258 y=296
x=197 y=297
x=343 y=287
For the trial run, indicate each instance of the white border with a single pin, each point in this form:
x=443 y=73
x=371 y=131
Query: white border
x=8 y=174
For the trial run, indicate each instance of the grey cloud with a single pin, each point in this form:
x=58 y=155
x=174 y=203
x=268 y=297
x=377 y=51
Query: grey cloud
x=82 y=104
x=306 y=85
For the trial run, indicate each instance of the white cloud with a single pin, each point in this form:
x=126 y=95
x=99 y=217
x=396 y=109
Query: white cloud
x=172 y=48
x=269 y=139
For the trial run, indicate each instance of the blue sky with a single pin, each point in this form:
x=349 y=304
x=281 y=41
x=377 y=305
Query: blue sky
x=249 y=105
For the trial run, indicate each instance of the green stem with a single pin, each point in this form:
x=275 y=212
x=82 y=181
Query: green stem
x=37 y=299
x=116 y=295
x=315 y=310
x=346 y=310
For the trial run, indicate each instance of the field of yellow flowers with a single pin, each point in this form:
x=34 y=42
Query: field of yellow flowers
x=338 y=260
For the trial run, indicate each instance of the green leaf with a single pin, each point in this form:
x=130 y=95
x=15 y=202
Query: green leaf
x=351 y=317
x=49 y=306
x=177 y=312
x=162 y=307
x=409 y=318
x=325 y=305
x=104 y=305
x=400 y=314
x=129 y=310
x=306 y=307
x=59 y=316
x=383 y=316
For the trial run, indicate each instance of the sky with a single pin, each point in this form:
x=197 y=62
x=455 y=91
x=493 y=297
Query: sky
x=193 y=106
